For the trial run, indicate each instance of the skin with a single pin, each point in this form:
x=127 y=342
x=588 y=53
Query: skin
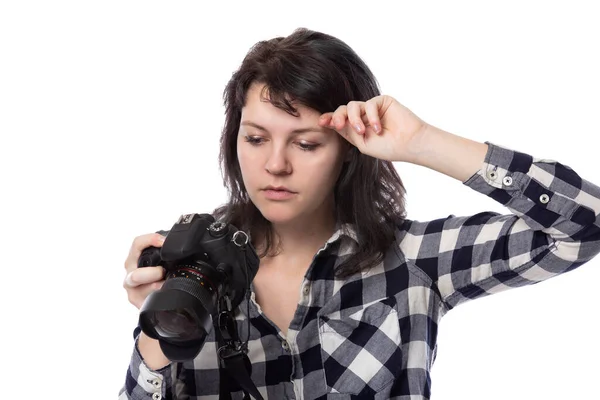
x=308 y=163
x=385 y=129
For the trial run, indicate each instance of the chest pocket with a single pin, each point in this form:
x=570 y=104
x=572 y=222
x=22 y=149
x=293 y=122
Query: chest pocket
x=361 y=351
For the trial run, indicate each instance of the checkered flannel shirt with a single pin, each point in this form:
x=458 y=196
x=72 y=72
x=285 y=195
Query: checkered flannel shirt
x=374 y=335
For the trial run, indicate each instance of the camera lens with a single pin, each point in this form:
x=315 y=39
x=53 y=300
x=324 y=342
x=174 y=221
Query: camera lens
x=180 y=314
x=176 y=325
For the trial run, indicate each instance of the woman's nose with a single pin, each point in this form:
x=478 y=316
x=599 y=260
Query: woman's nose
x=278 y=163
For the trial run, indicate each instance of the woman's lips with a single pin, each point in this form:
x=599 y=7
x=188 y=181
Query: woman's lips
x=278 y=194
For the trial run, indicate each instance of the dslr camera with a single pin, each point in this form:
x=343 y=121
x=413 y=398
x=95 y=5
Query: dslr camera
x=209 y=266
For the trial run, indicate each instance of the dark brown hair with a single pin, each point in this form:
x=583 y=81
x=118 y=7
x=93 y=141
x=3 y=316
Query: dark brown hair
x=321 y=72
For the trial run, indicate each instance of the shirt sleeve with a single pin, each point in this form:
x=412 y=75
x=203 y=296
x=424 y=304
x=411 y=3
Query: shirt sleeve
x=143 y=383
x=553 y=228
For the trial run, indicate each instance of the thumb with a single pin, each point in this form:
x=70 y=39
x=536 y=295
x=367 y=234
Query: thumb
x=141 y=276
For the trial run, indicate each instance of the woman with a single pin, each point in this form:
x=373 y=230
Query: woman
x=349 y=292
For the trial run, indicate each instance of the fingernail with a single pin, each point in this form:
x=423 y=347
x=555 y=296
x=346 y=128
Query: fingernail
x=376 y=128
x=357 y=128
x=129 y=279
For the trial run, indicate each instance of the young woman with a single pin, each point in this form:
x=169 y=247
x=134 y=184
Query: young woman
x=349 y=292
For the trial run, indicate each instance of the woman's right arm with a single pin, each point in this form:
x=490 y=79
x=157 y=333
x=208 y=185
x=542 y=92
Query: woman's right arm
x=151 y=375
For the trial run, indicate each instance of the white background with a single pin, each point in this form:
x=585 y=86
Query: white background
x=110 y=116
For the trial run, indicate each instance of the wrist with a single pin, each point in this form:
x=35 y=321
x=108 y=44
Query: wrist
x=420 y=147
x=445 y=152
x=151 y=352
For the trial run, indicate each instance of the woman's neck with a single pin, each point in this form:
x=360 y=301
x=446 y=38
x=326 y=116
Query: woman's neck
x=301 y=238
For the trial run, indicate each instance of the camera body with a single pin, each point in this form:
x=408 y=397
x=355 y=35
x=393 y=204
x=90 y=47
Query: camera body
x=209 y=266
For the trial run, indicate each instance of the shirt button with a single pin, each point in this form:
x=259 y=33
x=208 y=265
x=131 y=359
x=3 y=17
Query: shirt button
x=544 y=198
x=285 y=345
x=492 y=175
x=507 y=181
x=156 y=396
x=306 y=290
x=156 y=383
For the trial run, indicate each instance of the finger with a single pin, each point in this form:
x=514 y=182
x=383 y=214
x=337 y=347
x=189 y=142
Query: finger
x=138 y=295
x=325 y=119
x=355 y=113
x=142 y=276
x=338 y=119
x=372 y=113
x=138 y=245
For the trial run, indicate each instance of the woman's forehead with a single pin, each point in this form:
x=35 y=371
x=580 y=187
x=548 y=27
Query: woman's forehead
x=262 y=114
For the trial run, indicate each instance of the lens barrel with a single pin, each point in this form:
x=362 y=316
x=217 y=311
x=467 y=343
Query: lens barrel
x=180 y=314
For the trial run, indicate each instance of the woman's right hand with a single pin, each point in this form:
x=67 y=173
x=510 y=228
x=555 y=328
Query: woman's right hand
x=140 y=282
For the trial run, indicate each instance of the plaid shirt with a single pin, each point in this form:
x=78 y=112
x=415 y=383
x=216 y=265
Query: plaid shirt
x=374 y=335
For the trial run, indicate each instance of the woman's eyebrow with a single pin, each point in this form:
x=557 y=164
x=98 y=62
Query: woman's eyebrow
x=294 y=132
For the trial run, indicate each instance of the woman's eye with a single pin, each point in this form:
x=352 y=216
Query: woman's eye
x=257 y=141
x=308 y=147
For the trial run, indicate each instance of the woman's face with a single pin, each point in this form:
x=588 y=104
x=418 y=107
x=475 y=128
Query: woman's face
x=277 y=149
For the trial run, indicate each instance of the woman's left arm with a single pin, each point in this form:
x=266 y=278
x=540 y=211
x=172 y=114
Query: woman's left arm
x=553 y=228
x=543 y=191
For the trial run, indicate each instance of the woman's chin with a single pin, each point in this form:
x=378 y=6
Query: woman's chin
x=279 y=215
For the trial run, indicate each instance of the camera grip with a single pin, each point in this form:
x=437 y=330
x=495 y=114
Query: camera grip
x=150 y=257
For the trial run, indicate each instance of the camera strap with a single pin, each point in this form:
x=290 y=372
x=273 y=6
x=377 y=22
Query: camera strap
x=234 y=364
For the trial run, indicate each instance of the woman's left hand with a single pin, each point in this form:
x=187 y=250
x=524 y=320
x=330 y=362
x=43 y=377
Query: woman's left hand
x=380 y=127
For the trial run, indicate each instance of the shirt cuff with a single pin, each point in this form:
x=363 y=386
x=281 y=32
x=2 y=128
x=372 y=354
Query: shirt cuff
x=153 y=382
x=522 y=183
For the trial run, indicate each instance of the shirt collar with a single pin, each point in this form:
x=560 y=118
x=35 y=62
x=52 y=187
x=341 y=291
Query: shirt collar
x=346 y=233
